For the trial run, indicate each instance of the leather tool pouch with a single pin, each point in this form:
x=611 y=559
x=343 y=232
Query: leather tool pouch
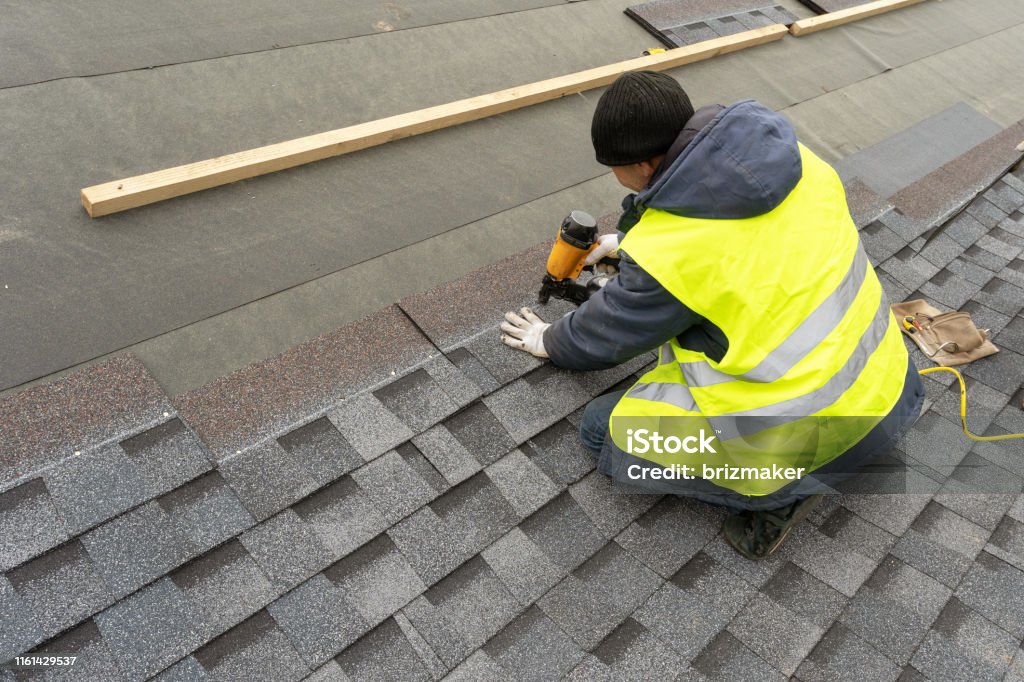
x=949 y=339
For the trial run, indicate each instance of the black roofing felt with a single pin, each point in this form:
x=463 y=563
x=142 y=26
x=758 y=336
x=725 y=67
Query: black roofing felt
x=406 y=498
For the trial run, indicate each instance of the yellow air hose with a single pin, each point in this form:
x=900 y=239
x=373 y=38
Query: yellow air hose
x=963 y=405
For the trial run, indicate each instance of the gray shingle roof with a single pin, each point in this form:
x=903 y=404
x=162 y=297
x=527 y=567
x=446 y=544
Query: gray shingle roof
x=406 y=498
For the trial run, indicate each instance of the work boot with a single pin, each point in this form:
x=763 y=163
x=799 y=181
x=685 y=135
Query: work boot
x=756 y=534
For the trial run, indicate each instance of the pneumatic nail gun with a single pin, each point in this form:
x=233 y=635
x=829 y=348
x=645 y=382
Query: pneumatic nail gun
x=576 y=238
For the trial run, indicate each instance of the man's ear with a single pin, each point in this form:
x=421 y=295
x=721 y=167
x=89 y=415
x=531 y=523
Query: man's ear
x=650 y=166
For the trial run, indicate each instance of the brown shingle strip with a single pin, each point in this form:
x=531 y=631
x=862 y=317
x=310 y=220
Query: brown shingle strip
x=935 y=196
x=263 y=399
x=451 y=313
x=44 y=424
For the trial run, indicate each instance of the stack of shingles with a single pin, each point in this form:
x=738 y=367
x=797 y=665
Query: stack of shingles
x=684 y=22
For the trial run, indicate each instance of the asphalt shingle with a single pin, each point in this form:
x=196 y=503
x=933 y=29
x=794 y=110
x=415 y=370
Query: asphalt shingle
x=895 y=608
x=463 y=611
x=369 y=426
x=861 y=536
x=417 y=400
x=524 y=569
x=384 y=654
x=151 y=629
x=449 y=456
x=475 y=512
x=1003 y=195
x=532 y=647
x=911 y=269
x=655 y=537
x=893 y=513
x=255 y=650
x=1001 y=296
x=318 y=619
x=432 y=548
x=632 y=652
x=321 y=450
x=61 y=587
x=941 y=544
x=839 y=653
x=775 y=633
x=500 y=361
x=726 y=658
x=342 y=516
x=20 y=629
x=1003 y=371
x=29 y=523
x=610 y=508
x=394 y=485
x=522 y=483
x=984 y=404
x=137 y=548
x=827 y=559
x=995 y=589
x=267 y=479
x=948 y=289
x=185 y=670
x=963 y=646
x=376 y=579
x=986 y=213
x=206 y=511
x=599 y=595
x=880 y=243
x=964 y=229
x=286 y=549
x=564 y=532
x=477 y=667
x=805 y=596
x=226 y=586
x=473 y=369
x=558 y=451
x=1007 y=541
x=95 y=486
x=699 y=601
x=975 y=274
x=166 y=456
x=522 y=411
x=480 y=432
x=426 y=654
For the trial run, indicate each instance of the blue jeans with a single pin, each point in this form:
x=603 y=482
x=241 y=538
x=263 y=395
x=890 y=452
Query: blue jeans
x=594 y=425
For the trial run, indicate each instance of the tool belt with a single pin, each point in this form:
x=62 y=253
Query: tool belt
x=949 y=339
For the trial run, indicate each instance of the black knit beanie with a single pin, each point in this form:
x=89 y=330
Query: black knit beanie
x=638 y=117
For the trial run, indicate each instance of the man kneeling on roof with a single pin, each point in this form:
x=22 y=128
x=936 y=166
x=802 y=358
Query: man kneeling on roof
x=739 y=261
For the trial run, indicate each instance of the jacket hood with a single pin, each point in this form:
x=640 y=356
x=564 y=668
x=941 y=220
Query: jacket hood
x=742 y=164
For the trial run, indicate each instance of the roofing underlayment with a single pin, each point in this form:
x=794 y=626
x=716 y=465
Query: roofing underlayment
x=402 y=496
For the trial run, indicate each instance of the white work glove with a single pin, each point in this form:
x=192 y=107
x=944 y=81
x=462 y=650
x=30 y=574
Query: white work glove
x=607 y=245
x=525 y=332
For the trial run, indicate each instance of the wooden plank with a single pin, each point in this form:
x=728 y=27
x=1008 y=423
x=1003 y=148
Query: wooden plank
x=119 y=195
x=832 y=19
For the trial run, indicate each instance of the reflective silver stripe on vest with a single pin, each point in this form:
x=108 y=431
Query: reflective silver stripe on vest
x=804 y=339
x=667 y=355
x=671 y=393
x=749 y=422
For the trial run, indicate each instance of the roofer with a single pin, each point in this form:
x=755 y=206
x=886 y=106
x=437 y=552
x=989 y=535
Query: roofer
x=739 y=261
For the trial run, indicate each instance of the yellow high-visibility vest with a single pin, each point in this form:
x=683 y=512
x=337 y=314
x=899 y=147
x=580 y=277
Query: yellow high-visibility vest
x=815 y=358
